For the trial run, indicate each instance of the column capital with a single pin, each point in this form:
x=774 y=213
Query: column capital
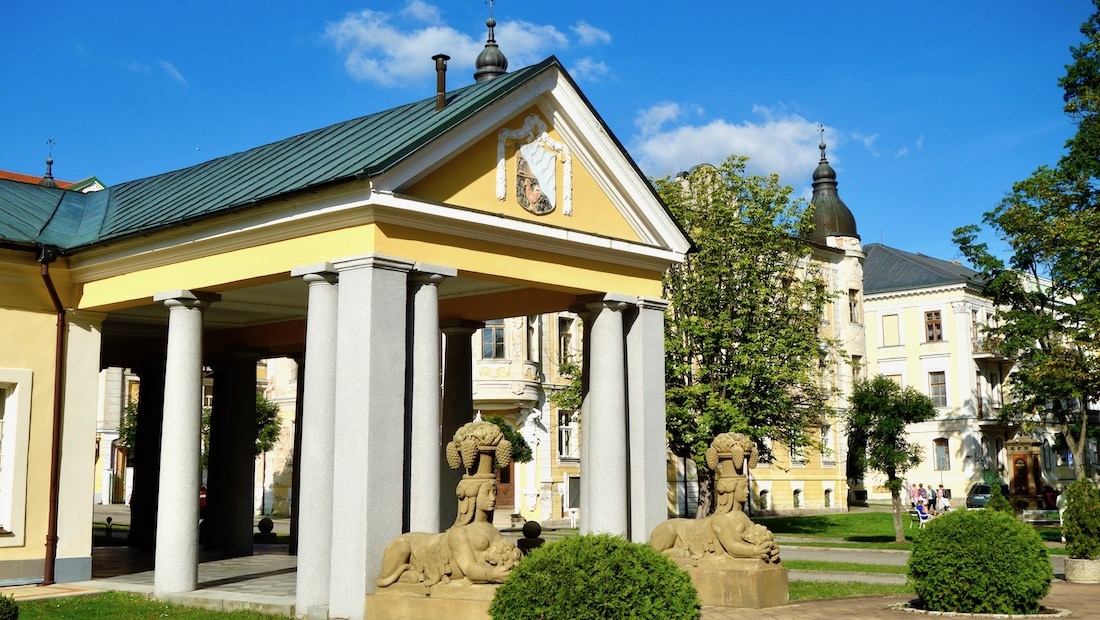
x=594 y=303
x=186 y=298
x=427 y=272
x=317 y=272
x=653 y=303
x=373 y=261
x=459 y=327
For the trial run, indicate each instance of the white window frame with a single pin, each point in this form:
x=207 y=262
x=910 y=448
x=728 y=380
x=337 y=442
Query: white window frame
x=568 y=444
x=15 y=401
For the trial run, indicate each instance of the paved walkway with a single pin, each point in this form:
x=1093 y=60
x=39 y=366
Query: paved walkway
x=265 y=582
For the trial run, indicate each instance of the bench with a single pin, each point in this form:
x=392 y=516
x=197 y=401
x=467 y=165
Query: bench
x=1040 y=517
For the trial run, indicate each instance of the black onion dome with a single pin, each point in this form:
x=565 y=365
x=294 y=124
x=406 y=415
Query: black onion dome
x=832 y=218
x=490 y=62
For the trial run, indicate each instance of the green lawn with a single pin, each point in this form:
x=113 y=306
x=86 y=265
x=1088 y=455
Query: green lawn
x=122 y=606
x=844 y=567
x=859 y=529
x=806 y=590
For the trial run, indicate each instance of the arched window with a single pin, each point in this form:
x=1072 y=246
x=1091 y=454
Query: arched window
x=941 y=455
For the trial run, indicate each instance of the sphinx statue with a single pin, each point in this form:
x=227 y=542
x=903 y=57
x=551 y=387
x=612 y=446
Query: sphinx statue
x=727 y=532
x=471 y=550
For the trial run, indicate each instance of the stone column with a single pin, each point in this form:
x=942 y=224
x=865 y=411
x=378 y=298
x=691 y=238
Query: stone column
x=586 y=317
x=176 y=562
x=458 y=408
x=146 y=461
x=425 y=448
x=296 y=472
x=313 y=462
x=645 y=371
x=368 y=451
x=604 y=462
x=240 y=508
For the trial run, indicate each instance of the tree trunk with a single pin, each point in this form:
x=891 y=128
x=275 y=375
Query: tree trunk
x=706 y=492
x=899 y=529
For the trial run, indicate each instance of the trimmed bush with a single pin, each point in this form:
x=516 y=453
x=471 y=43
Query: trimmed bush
x=1081 y=521
x=9 y=609
x=997 y=501
x=596 y=577
x=980 y=561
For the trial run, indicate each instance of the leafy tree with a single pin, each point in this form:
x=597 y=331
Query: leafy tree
x=569 y=397
x=1048 y=288
x=880 y=410
x=521 y=451
x=268 y=425
x=127 y=431
x=743 y=351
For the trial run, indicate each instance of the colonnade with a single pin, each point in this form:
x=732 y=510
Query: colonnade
x=375 y=423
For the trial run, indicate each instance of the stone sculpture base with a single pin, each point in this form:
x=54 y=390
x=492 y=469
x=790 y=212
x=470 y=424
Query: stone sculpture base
x=735 y=582
x=453 y=601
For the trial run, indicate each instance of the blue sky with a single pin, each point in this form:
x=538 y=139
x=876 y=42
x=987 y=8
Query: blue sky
x=932 y=110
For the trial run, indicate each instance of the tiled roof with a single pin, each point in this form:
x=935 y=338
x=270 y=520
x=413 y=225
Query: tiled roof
x=887 y=269
x=369 y=146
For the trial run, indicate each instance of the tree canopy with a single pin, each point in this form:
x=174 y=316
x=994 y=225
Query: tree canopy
x=880 y=410
x=743 y=349
x=1047 y=287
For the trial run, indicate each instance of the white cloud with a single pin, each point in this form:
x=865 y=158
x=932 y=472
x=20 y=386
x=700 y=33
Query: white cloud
x=422 y=11
x=525 y=43
x=785 y=144
x=377 y=51
x=588 y=69
x=172 y=72
x=395 y=48
x=590 y=35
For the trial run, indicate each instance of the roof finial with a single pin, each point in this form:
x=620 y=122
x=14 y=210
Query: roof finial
x=821 y=130
x=47 y=180
x=490 y=62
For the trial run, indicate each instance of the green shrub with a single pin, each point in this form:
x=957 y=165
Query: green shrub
x=997 y=501
x=596 y=577
x=980 y=561
x=1081 y=521
x=9 y=609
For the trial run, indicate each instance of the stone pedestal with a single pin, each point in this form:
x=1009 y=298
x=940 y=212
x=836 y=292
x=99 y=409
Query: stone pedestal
x=454 y=601
x=733 y=582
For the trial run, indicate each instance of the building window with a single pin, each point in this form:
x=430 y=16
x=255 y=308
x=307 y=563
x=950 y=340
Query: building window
x=995 y=389
x=828 y=455
x=937 y=388
x=565 y=338
x=534 y=338
x=492 y=340
x=857 y=368
x=567 y=435
x=941 y=456
x=890 y=331
x=855 y=315
x=985 y=453
x=999 y=448
x=15 y=412
x=933 y=327
x=895 y=379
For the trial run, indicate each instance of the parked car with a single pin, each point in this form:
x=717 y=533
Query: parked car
x=978 y=496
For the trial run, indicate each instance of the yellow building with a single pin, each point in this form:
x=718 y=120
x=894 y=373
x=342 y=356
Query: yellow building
x=353 y=246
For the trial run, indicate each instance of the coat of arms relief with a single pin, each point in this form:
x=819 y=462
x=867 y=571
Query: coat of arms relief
x=540 y=162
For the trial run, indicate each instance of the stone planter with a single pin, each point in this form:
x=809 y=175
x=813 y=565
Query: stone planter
x=1082 y=571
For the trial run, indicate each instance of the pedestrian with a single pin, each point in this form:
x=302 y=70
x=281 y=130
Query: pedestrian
x=1060 y=502
x=943 y=504
x=922 y=493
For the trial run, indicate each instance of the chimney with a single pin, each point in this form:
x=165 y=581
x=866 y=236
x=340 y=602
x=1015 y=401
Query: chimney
x=440 y=80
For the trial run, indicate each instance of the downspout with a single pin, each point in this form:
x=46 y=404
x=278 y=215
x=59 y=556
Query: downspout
x=46 y=255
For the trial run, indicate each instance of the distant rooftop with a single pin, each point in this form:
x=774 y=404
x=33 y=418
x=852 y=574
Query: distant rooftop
x=888 y=269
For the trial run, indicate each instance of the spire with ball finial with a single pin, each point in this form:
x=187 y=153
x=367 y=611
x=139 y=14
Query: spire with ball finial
x=491 y=62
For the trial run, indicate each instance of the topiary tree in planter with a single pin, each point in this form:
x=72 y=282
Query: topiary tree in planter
x=596 y=577
x=980 y=561
x=1081 y=527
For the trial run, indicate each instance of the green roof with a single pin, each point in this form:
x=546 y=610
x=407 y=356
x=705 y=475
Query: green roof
x=370 y=145
x=887 y=269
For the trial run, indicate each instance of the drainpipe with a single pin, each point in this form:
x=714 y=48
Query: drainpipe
x=46 y=255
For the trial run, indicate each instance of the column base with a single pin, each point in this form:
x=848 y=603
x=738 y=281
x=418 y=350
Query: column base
x=454 y=601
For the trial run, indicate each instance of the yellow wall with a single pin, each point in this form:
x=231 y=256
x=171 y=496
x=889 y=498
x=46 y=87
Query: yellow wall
x=469 y=180
x=29 y=338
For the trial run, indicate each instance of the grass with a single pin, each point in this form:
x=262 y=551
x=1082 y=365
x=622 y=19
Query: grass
x=123 y=606
x=844 y=567
x=808 y=590
x=872 y=530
